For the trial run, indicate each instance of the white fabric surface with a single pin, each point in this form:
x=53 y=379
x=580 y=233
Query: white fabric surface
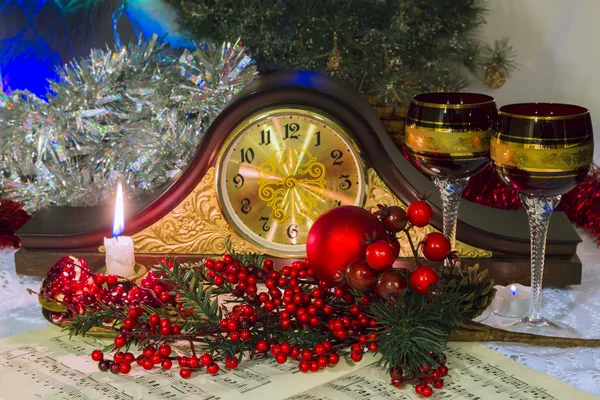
x=578 y=306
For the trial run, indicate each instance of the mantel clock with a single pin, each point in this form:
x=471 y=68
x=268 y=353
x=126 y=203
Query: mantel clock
x=290 y=146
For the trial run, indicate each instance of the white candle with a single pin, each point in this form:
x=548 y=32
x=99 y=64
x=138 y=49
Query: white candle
x=120 y=259
x=512 y=301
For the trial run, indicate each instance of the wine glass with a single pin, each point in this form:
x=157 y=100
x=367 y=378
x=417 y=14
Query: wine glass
x=542 y=150
x=448 y=137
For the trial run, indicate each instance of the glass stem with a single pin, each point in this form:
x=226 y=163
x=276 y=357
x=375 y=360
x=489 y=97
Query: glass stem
x=539 y=210
x=450 y=191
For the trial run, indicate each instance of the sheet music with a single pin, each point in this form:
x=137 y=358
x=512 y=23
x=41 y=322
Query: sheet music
x=46 y=364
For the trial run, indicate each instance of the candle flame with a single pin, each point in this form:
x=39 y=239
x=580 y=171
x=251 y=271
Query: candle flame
x=119 y=222
x=513 y=290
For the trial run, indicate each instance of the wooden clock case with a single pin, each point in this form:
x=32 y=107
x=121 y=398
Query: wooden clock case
x=503 y=236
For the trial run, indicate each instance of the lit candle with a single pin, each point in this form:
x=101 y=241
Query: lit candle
x=120 y=259
x=512 y=301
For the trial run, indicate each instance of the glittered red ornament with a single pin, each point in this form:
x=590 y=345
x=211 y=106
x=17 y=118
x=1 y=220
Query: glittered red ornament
x=391 y=283
x=338 y=237
x=422 y=277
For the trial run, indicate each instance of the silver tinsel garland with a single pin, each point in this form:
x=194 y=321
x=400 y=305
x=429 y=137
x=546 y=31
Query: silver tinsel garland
x=134 y=114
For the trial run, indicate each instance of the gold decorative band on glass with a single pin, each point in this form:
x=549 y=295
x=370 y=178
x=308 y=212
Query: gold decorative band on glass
x=447 y=141
x=532 y=157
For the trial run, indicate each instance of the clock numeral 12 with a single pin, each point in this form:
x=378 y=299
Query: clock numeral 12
x=265 y=228
x=292 y=231
x=290 y=130
x=265 y=137
x=247 y=155
x=246 y=208
x=346 y=184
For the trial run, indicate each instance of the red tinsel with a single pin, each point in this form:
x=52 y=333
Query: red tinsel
x=12 y=217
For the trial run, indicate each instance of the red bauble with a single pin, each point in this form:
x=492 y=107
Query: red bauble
x=436 y=247
x=391 y=283
x=419 y=213
x=380 y=255
x=360 y=276
x=395 y=245
x=422 y=277
x=338 y=237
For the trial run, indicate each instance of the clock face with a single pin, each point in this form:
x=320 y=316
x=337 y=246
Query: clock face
x=282 y=168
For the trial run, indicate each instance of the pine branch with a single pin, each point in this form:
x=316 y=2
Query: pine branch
x=244 y=258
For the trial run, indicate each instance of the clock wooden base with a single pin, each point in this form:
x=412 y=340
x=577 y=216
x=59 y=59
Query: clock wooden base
x=229 y=195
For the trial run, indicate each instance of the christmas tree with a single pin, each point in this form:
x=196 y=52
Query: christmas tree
x=387 y=49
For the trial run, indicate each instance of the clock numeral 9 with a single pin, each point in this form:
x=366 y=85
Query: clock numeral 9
x=292 y=231
x=265 y=137
x=247 y=155
x=290 y=130
x=238 y=180
x=346 y=184
x=265 y=228
x=246 y=208
x=337 y=156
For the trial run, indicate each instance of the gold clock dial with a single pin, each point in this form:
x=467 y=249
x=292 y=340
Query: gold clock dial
x=280 y=170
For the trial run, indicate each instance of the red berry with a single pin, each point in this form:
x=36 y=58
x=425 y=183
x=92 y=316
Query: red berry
x=422 y=277
x=231 y=362
x=373 y=346
x=393 y=218
x=124 y=368
x=212 y=369
x=334 y=358
x=206 y=359
x=281 y=358
x=118 y=358
x=380 y=255
x=245 y=335
x=426 y=392
x=154 y=319
x=322 y=361
x=438 y=384
x=129 y=322
x=97 y=355
x=129 y=358
x=436 y=247
x=304 y=366
x=306 y=355
x=99 y=279
x=419 y=388
x=148 y=364
x=227 y=258
x=262 y=346
x=185 y=373
x=391 y=283
x=356 y=357
x=395 y=245
x=111 y=280
x=175 y=329
x=194 y=362
x=114 y=368
x=443 y=370
x=397 y=382
x=166 y=364
x=164 y=350
x=183 y=361
x=120 y=341
x=419 y=213
x=319 y=349
x=164 y=297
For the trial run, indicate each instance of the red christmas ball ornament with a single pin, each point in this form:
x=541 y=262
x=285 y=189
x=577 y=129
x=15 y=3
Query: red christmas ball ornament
x=360 y=276
x=338 y=237
x=380 y=255
x=422 y=277
x=391 y=283
x=419 y=213
x=436 y=247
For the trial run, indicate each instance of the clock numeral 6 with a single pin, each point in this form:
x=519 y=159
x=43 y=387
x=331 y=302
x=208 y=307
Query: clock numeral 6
x=265 y=228
x=346 y=184
x=337 y=156
x=247 y=155
x=238 y=180
x=290 y=131
x=246 y=208
x=292 y=231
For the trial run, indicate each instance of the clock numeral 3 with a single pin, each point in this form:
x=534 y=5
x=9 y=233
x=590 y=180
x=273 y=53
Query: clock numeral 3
x=346 y=184
x=238 y=180
x=247 y=155
x=265 y=228
x=337 y=156
x=318 y=135
x=246 y=208
x=265 y=137
x=290 y=130
x=292 y=231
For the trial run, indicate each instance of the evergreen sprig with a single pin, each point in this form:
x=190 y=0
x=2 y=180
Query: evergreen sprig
x=243 y=257
x=414 y=327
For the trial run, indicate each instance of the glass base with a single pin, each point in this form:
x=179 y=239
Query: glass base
x=543 y=327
